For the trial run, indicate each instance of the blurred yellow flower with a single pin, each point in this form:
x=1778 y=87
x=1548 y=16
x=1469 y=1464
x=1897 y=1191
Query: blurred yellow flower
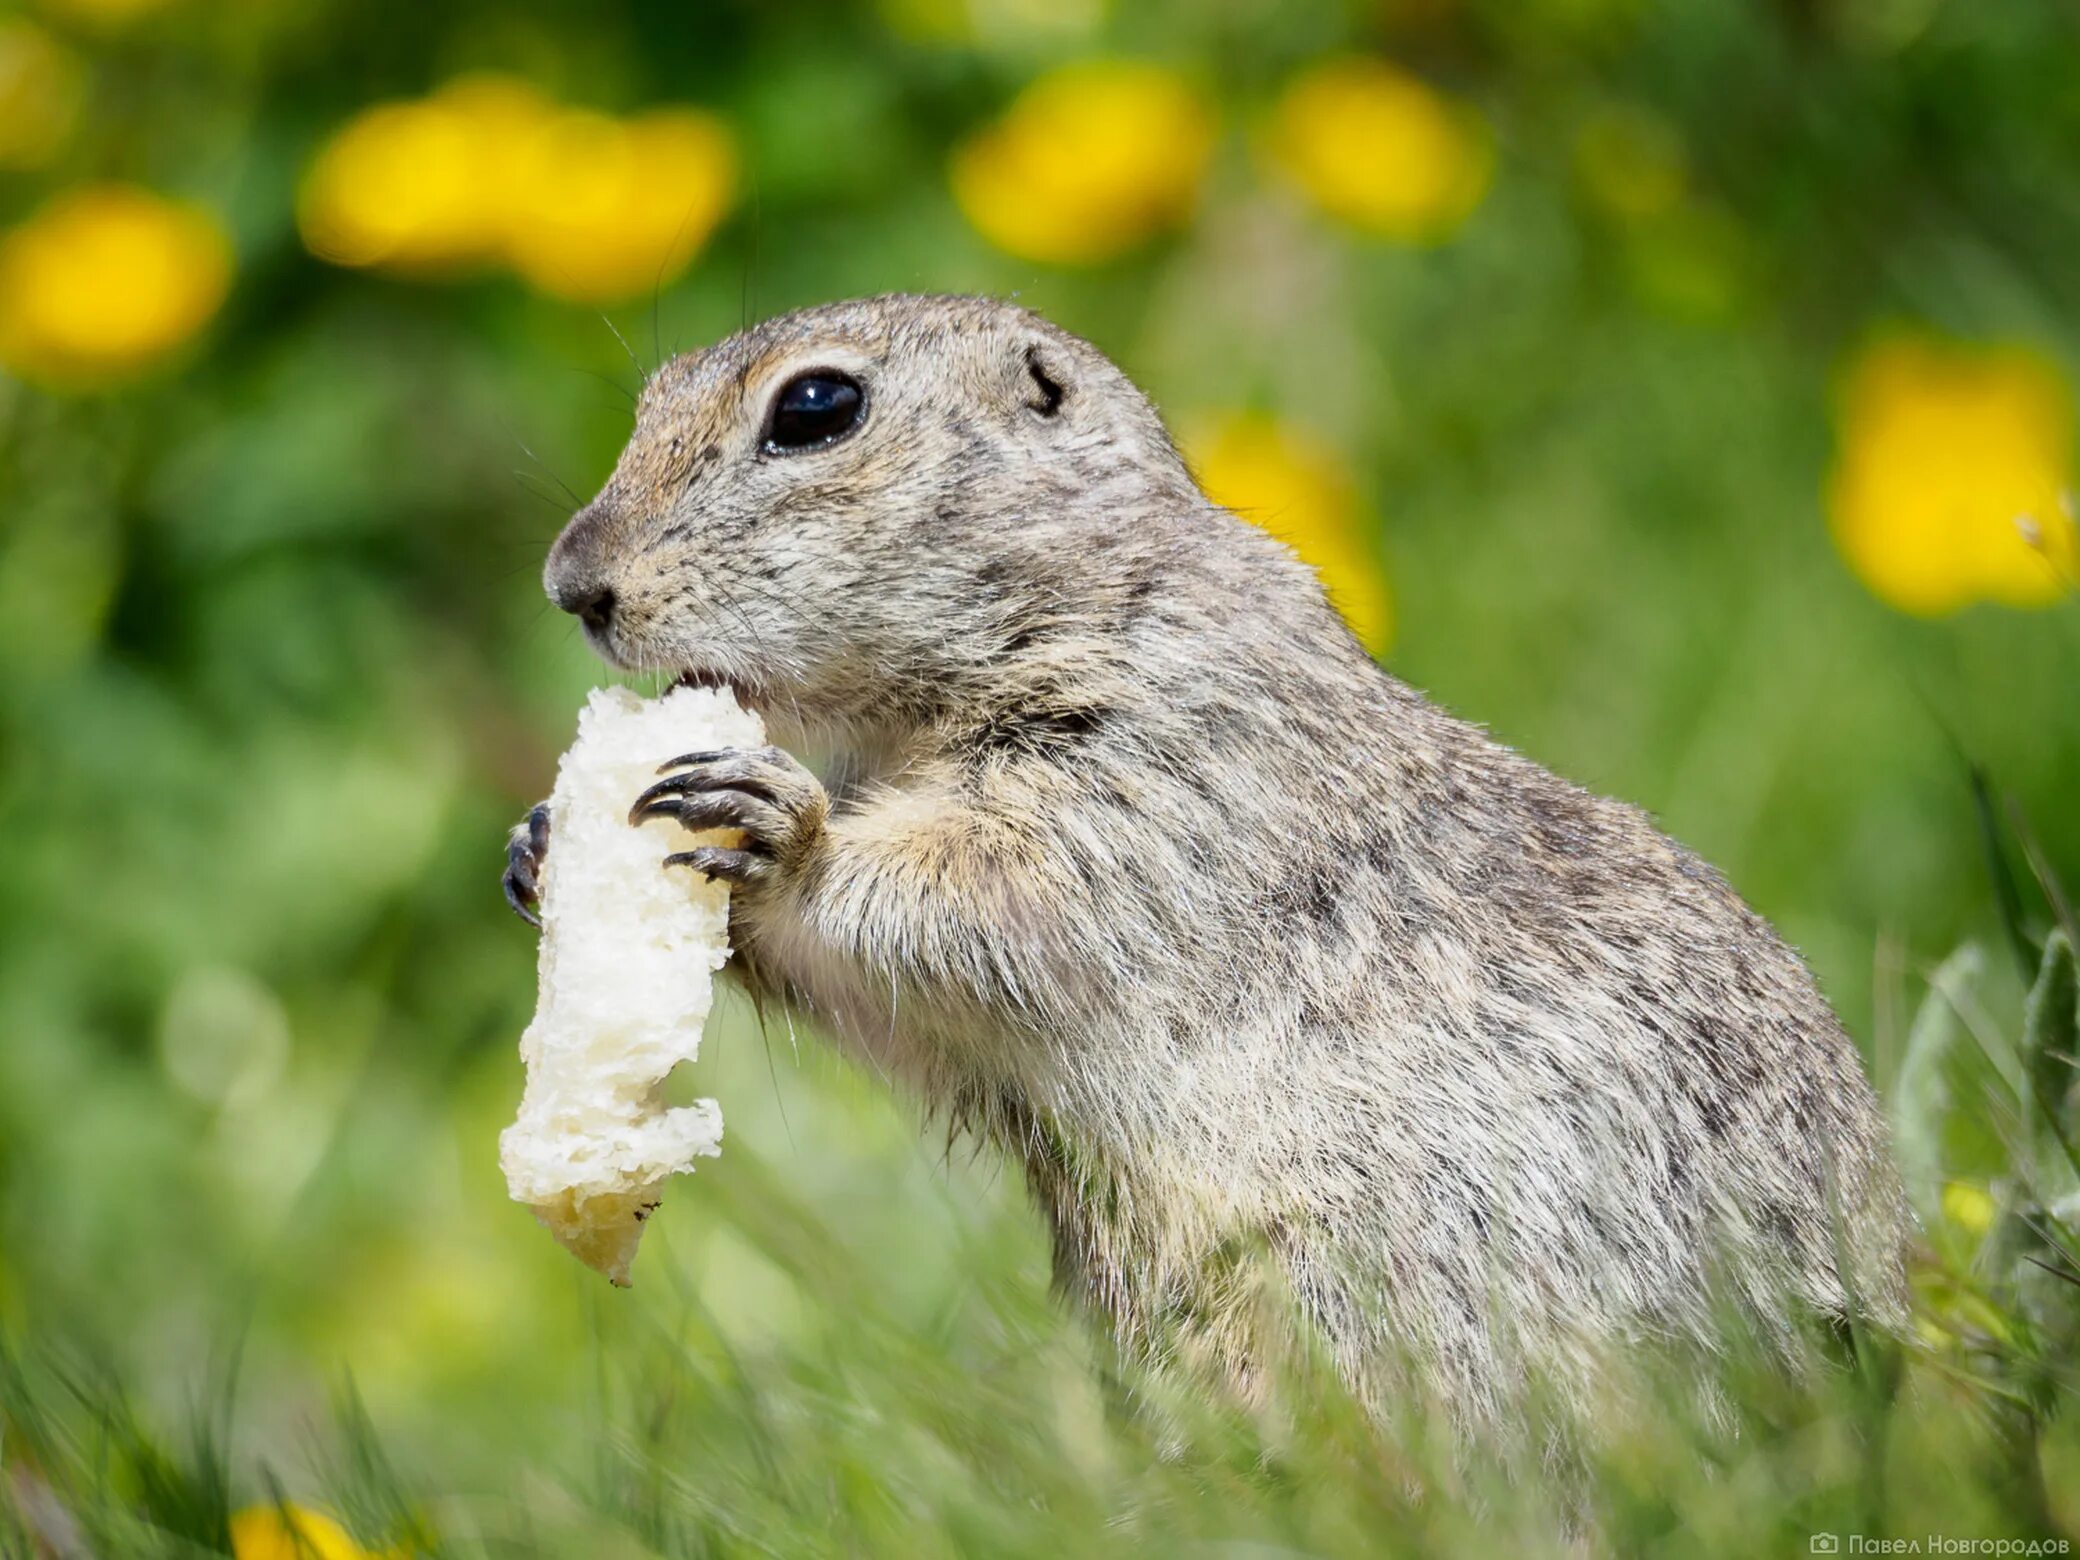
x=610 y=208
x=423 y=186
x=39 y=94
x=1968 y=1207
x=581 y=204
x=1298 y=489
x=104 y=280
x=291 y=1532
x=1088 y=162
x=1953 y=475
x=1377 y=148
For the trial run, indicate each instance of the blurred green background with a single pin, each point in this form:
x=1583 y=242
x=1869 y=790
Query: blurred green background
x=1680 y=389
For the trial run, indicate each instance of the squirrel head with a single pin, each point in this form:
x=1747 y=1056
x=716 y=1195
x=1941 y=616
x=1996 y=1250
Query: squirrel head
x=850 y=510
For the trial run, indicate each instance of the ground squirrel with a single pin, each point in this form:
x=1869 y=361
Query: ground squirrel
x=1130 y=859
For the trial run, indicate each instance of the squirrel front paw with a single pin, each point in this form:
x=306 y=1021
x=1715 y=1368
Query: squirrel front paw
x=526 y=847
x=774 y=799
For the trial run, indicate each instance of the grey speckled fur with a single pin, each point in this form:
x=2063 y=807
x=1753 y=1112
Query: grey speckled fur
x=1133 y=862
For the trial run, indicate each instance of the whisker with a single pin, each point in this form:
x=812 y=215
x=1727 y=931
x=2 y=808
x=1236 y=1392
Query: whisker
x=534 y=623
x=616 y=385
x=641 y=374
x=526 y=480
x=542 y=465
x=747 y=289
x=526 y=565
x=724 y=595
x=657 y=282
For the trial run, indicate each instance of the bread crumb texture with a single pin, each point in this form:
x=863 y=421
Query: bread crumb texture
x=629 y=952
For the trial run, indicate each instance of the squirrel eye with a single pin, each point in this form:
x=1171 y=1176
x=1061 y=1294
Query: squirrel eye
x=814 y=409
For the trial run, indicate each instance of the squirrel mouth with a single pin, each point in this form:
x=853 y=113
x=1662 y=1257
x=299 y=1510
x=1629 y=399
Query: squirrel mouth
x=749 y=693
x=705 y=679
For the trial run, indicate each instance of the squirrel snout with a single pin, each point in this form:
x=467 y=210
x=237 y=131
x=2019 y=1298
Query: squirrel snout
x=584 y=597
x=572 y=577
x=593 y=605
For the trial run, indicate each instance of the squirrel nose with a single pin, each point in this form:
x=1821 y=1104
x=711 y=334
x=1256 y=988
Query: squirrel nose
x=592 y=604
x=578 y=568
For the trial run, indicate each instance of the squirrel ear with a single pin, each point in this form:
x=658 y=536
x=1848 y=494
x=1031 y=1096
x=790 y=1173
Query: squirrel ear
x=1044 y=388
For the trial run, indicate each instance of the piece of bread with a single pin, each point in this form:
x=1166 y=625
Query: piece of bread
x=629 y=950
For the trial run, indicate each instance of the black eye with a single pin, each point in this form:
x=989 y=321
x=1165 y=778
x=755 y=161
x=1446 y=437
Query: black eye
x=814 y=409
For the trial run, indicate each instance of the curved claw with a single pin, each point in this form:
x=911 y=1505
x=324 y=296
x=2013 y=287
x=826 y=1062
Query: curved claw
x=656 y=801
x=768 y=794
x=710 y=810
x=698 y=801
x=521 y=895
x=732 y=866
x=524 y=851
x=685 y=759
x=713 y=775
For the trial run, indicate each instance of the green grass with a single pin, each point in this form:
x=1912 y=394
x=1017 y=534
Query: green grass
x=276 y=674
x=987 y=1422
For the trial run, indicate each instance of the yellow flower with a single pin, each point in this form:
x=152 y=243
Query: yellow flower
x=39 y=94
x=1953 y=475
x=423 y=186
x=1088 y=162
x=1968 y=1207
x=290 y=1532
x=1377 y=148
x=580 y=204
x=104 y=280
x=611 y=208
x=1298 y=489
